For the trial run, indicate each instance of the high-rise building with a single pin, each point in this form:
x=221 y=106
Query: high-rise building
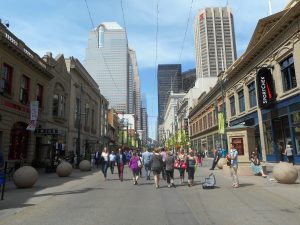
x=144 y=120
x=188 y=79
x=107 y=62
x=168 y=79
x=214 y=41
x=134 y=89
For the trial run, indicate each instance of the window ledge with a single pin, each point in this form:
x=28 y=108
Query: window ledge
x=289 y=92
x=253 y=109
x=9 y=96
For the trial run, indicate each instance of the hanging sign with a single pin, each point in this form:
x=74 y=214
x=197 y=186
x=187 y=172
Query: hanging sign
x=34 y=111
x=265 y=87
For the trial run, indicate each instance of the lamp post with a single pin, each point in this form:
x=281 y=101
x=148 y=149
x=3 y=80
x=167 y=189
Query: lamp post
x=224 y=139
x=79 y=125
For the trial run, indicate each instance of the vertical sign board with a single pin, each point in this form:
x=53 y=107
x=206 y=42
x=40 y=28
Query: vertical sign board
x=265 y=87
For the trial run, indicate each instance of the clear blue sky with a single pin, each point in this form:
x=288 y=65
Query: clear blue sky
x=62 y=26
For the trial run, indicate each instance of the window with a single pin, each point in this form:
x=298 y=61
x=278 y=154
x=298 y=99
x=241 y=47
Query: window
x=232 y=106
x=252 y=94
x=62 y=106
x=24 y=91
x=93 y=119
x=39 y=94
x=6 y=79
x=86 y=114
x=288 y=74
x=241 y=101
x=55 y=104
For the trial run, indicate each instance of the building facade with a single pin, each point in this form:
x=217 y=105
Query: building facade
x=188 y=79
x=261 y=89
x=214 y=41
x=88 y=124
x=107 y=62
x=25 y=78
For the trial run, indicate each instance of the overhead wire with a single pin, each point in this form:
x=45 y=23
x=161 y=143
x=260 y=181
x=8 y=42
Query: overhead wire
x=156 y=53
x=186 y=29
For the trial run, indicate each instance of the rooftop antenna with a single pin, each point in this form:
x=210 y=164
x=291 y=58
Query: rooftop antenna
x=270 y=8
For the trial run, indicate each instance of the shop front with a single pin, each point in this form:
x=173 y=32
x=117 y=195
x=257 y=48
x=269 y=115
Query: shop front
x=250 y=120
x=281 y=127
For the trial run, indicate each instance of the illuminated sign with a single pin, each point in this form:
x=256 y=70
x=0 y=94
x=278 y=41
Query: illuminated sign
x=265 y=87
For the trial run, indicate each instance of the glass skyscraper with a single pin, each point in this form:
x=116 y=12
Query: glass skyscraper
x=168 y=79
x=107 y=62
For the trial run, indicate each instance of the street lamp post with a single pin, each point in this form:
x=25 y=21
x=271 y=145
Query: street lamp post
x=79 y=127
x=224 y=142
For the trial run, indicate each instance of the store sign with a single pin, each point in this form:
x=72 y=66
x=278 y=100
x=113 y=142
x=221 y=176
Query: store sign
x=221 y=123
x=265 y=87
x=47 y=131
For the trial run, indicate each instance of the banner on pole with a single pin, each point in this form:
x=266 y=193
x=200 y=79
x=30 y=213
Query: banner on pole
x=34 y=112
x=221 y=123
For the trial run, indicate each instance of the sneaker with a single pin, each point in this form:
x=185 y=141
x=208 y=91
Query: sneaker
x=173 y=185
x=169 y=185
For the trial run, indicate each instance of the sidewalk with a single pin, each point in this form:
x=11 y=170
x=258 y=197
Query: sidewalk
x=47 y=186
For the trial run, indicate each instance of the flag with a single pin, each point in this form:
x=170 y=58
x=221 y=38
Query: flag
x=221 y=123
x=34 y=112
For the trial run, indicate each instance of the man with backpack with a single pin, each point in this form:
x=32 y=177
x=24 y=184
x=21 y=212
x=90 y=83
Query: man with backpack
x=146 y=158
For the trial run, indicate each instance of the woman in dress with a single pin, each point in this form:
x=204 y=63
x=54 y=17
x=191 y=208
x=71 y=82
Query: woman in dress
x=191 y=162
x=134 y=166
x=156 y=166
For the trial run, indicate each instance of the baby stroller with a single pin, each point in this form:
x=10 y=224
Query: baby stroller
x=210 y=182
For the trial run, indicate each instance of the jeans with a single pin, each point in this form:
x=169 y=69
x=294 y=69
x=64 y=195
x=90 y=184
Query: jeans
x=148 y=169
x=104 y=168
x=191 y=173
x=112 y=166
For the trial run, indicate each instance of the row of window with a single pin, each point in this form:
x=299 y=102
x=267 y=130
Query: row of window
x=289 y=82
x=6 y=86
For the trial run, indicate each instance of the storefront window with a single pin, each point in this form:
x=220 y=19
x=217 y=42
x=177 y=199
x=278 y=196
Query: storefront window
x=210 y=145
x=296 y=130
x=217 y=141
x=268 y=136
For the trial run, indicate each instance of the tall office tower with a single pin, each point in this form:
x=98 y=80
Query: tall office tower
x=188 y=79
x=168 y=79
x=214 y=41
x=134 y=88
x=144 y=120
x=144 y=127
x=106 y=60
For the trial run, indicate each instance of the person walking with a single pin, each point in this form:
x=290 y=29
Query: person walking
x=104 y=162
x=289 y=152
x=163 y=155
x=112 y=161
x=217 y=156
x=156 y=166
x=146 y=158
x=182 y=163
x=134 y=166
x=121 y=161
x=170 y=160
x=233 y=155
x=191 y=162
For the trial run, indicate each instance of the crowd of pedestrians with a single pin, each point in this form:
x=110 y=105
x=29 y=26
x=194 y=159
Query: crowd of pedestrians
x=160 y=163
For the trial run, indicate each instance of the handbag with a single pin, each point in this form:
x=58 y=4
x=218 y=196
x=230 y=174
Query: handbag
x=177 y=164
x=140 y=165
x=183 y=165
